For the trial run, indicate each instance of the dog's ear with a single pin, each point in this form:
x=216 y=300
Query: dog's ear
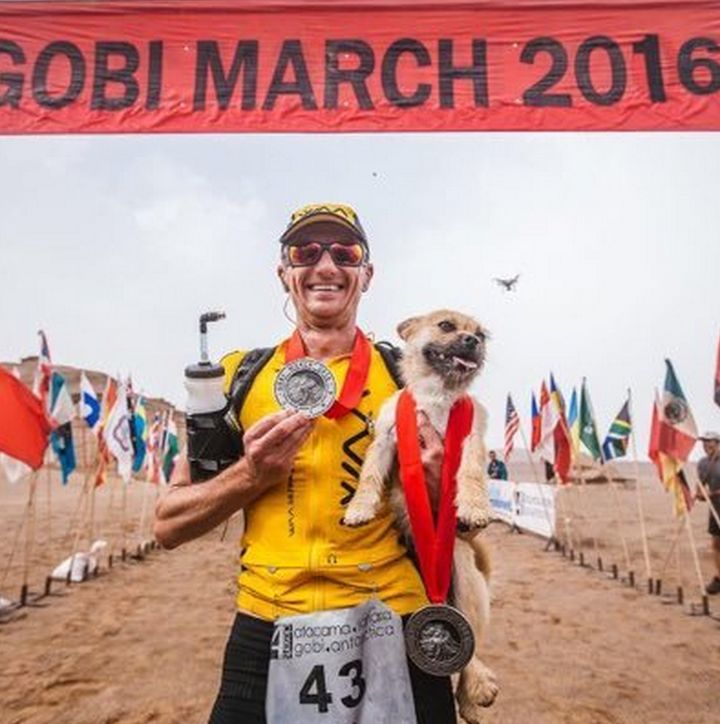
x=406 y=328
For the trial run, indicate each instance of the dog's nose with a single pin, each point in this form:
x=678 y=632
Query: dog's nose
x=470 y=341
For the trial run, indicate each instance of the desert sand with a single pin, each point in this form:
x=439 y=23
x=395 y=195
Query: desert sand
x=143 y=641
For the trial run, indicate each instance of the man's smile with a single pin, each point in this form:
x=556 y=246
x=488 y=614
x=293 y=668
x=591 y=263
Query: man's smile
x=325 y=287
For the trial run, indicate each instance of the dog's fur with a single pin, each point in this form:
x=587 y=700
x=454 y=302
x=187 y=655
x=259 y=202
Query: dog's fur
x=444 y=352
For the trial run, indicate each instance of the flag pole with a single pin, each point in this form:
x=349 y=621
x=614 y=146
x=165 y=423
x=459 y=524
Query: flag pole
x=678 y=566
x=143 y=511
x=568 y=486
x=583 y=510
x=611 y=470
x=123 y=517
x=561 y=487
x=48 y=485
x=29 y=537
x=91 y=526
x=638 y=496
x=11 y=557
x=673 y=543
x=551 y=523
x=696 y=561
x=79 y=528
x=107 y=525
x=585 y=395
x=83 y=431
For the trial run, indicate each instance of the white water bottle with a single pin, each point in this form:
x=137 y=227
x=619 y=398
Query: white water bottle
x=211 y=445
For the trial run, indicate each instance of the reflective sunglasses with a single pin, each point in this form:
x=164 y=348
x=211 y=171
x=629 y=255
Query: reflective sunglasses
x=309 y=254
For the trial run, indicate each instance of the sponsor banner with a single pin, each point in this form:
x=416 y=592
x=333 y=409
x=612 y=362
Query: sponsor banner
x=535 y=508
x=502 y=500
x=117 y=66
x=528 y=506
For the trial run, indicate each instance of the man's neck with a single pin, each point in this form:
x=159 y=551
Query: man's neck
x=325 y=342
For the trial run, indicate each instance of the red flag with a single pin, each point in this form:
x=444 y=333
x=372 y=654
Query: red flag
x=24 y=428
x=563 y=457
x=654 y=446
x=669 y=469
x=561 y=435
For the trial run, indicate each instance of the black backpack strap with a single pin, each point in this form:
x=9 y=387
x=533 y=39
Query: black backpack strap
x=242 y=380
x=391 y=357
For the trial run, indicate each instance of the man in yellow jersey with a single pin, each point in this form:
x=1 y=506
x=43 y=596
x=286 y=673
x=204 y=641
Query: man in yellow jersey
x=297 y=475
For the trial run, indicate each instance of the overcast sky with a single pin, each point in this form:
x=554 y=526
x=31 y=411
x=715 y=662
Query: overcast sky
x=114 y=245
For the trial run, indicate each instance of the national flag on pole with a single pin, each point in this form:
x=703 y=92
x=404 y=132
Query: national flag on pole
x=89 y=404
x=616 y=441
x=117 y=434
x=41 y=384
x=556 y=395
x=109 y=397
x=131 y=412
x=717 y=376
x=15 y=470
x=512 y=424
x=548 y=421
x=154 y=449
x=668 y=468
x=139 y=422
x=678 y=432
x=573 y=421
x=588 y=429
x=536 y=422
x=62 y=412
x=24 y=427
x=62 y=409
x=561 y=434
x=170 y=448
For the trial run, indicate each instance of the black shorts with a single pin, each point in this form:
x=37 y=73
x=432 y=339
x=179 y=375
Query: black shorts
x=241 y=699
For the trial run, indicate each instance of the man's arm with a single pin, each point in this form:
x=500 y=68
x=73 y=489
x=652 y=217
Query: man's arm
x=188 y=511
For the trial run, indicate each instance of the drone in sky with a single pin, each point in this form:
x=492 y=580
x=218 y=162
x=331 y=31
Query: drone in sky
x=507 y=284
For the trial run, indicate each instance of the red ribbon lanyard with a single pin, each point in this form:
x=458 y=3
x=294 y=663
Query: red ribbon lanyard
x=355 y=378
x=434 y=546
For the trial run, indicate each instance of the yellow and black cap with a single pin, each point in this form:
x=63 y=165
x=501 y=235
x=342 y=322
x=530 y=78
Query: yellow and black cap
x=340 y=214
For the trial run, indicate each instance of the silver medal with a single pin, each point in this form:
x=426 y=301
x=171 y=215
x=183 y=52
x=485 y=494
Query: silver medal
x=439 y=640
x=306 y=385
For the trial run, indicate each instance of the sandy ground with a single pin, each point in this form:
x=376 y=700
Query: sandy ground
x=143 y=642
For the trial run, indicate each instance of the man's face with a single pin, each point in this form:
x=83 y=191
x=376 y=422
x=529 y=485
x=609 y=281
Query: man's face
x=325 y=294
x=492 y=455
x=710 y=447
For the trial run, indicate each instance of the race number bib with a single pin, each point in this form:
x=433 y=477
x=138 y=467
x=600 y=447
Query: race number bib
x=340 y=667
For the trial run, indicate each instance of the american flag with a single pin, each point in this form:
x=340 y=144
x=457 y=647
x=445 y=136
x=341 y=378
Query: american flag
x=512 y=423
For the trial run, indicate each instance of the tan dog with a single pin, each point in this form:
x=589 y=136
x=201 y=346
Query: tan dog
x=444 y=352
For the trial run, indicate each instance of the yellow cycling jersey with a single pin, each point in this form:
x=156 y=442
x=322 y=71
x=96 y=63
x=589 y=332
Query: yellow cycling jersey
x=297 y=556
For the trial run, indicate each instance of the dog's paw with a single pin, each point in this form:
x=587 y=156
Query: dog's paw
x=358 y=513
x=472 y=516
x=477 y=690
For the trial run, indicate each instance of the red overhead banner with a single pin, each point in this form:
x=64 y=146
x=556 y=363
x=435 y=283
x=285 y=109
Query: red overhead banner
x=368 y=65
